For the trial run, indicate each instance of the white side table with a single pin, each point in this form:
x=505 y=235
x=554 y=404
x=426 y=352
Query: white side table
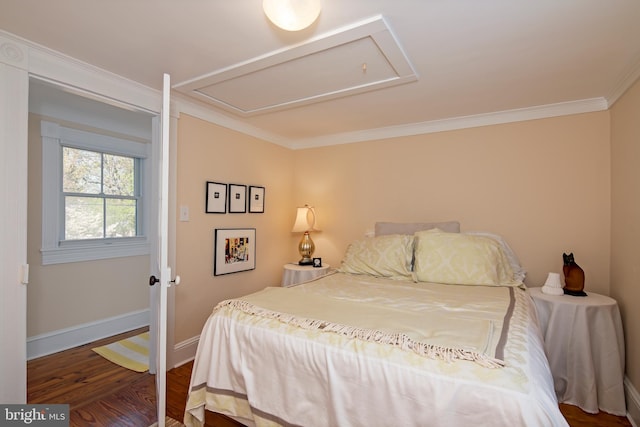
x=295 y=274
x=584 y=343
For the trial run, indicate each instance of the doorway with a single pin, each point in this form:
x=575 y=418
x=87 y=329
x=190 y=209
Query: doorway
x=70 y=304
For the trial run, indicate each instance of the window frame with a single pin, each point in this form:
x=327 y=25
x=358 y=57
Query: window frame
x=55 y=249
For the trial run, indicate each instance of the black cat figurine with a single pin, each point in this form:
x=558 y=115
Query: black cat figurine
x=573 y=277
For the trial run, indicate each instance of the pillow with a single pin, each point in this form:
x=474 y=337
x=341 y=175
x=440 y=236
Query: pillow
x=385 y=256
x=454 y=258
x=384 y=228
x=519 y=273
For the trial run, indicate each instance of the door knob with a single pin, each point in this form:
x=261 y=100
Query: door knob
x=153 y=280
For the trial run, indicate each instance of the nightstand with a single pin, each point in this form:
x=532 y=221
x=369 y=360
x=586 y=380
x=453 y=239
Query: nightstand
x=584 y=343
x=295 y=274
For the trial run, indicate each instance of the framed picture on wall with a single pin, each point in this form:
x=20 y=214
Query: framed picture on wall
x=237 y=198
x=216 y=199
x=234 y=250
x=256 y=199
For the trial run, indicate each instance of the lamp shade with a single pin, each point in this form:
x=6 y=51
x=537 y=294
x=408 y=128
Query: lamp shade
x=305 y=220
x=552 y=285
x=292 y=15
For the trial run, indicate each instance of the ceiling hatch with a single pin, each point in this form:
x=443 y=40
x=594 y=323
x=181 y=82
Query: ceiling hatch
x=354 y=59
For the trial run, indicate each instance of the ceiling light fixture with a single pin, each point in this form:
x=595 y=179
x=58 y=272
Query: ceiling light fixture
x=292 y=15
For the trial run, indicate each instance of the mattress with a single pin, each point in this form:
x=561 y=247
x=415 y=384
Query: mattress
x=460 y=355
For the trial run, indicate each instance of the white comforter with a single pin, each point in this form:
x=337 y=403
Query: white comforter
x=269 y=372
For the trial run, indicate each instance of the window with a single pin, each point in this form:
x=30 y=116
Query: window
x=94 y=203
x=100 y=194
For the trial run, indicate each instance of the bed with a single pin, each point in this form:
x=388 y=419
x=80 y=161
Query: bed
x=415 y=328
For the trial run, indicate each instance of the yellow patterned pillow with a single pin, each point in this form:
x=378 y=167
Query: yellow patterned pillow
x=386 y=256
x=454 y=258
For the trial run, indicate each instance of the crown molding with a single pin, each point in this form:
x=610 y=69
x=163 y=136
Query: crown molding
x=194 y=108
x=455 y=123
x=625 y=82
x=67 y=72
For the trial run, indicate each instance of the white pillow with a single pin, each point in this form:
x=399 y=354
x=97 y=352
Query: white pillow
x=384 y=256
x=454 y=258
x=519 y=273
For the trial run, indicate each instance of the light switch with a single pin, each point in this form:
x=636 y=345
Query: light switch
x=184 y=213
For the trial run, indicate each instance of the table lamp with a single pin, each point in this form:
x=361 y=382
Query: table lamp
x=305 y=222
x=552 y=286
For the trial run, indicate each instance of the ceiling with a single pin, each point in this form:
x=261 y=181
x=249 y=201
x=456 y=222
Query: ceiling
x=365 y=69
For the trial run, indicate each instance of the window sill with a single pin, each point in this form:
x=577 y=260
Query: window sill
x=77 y=252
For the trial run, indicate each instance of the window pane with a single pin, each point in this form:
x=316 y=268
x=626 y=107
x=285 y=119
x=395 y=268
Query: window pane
x=82 y=172
x=83 y=218
x=118 y=175
x=121 y=218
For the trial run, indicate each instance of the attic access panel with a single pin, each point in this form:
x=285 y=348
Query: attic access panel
x=360 y=58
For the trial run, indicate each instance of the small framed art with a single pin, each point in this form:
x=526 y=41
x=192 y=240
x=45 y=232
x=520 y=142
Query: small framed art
x=256 y=199
x=237 y=198
x=234 y=250
x=216 y=199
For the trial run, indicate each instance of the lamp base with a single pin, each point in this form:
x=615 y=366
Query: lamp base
x=306 y=249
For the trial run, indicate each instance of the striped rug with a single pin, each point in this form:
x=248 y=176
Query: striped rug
x=131 y=353
x=169 y=422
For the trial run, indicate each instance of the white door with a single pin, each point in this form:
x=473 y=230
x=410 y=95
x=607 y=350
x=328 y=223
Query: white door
x=158 y=355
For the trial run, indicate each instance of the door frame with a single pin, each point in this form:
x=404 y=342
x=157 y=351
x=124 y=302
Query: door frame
x=14 y=114
x=20 y=60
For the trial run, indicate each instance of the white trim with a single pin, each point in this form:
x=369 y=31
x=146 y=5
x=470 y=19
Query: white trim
x=94 y=141
x=55 y=251
x=498 y=117
x=186 y=106
x=185 y=351
x=87 y=252
x=55 y=67
x=14 y=91
x=374 y=29
x=199 y=111
x=633 y=402
x=66 y=71
x=64 y=339
x=624 y=83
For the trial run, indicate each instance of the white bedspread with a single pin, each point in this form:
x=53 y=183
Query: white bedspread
x=270 y=372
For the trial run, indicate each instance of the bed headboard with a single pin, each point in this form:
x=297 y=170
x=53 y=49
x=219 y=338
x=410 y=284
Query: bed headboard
x=385 y=228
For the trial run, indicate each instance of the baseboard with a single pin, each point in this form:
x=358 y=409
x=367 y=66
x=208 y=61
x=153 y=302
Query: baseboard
x=64 y=339
x=185 y=351
x=633 y=403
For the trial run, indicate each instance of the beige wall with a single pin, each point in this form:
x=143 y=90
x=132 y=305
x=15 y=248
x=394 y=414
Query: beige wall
x=625 y=219
x=207 y=152
x=544 y=185
x=65 y=295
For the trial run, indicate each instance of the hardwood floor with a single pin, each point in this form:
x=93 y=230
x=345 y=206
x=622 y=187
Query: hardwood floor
x=100 y=393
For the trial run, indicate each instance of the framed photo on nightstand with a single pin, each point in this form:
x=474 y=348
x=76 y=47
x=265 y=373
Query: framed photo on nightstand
x=317 y=262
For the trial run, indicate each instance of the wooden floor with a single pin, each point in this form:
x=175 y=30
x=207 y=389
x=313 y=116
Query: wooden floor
x=101 y=393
